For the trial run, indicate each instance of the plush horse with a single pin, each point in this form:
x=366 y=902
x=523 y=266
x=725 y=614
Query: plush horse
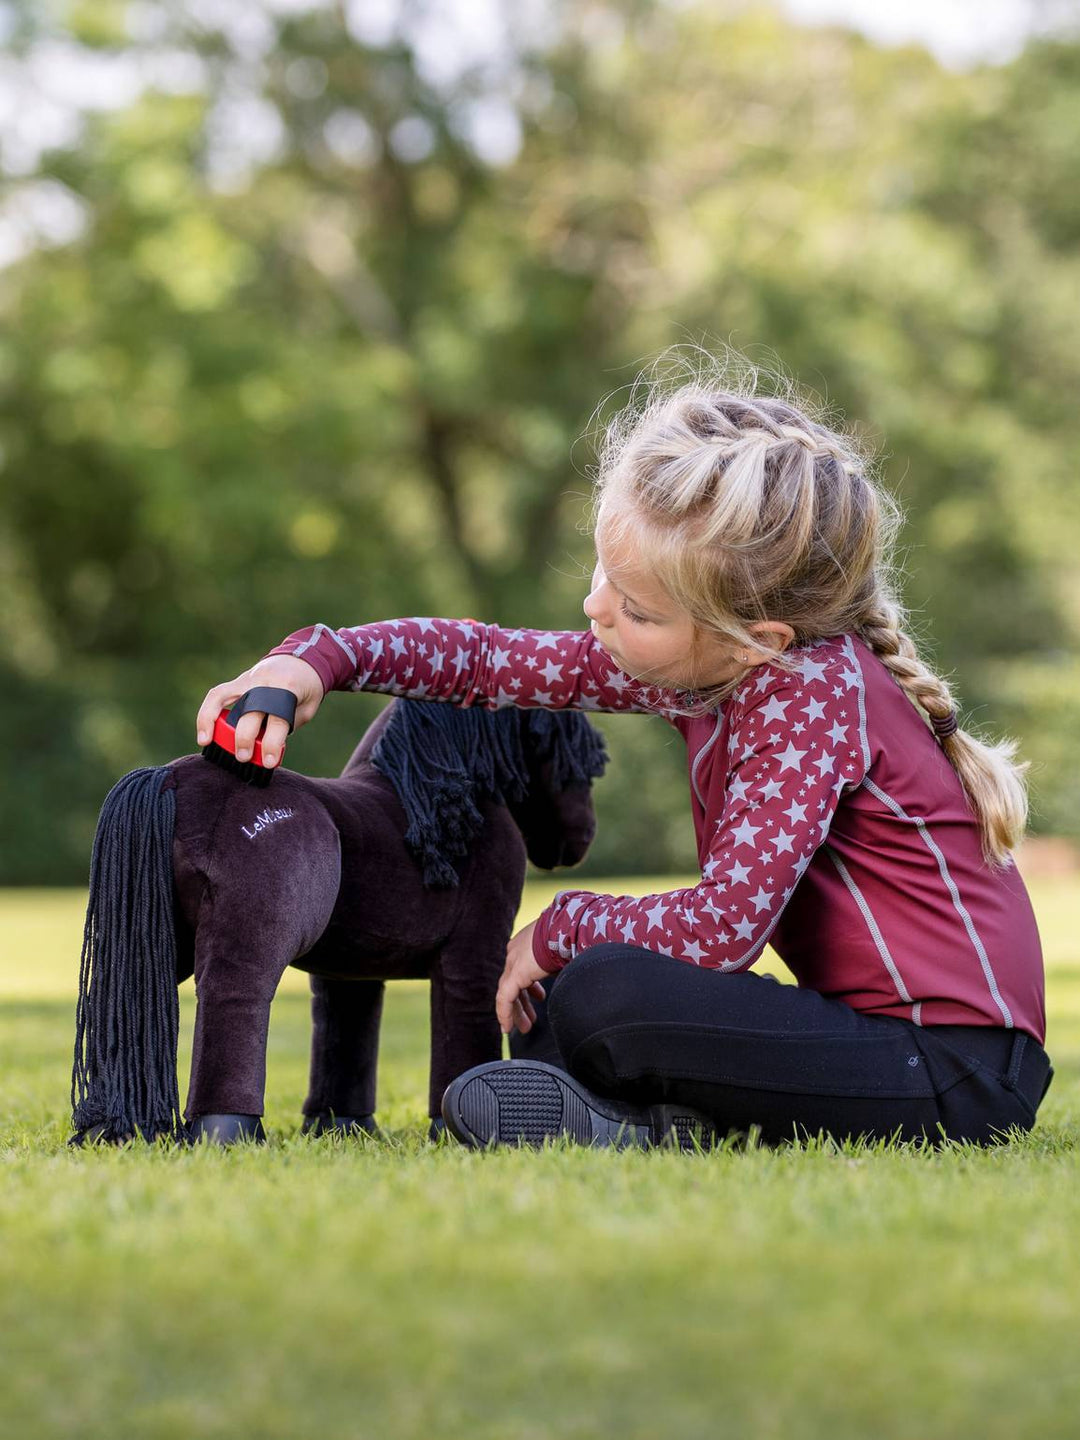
x=409 y=865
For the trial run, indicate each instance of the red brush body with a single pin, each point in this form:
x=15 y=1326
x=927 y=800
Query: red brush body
x=222 y=751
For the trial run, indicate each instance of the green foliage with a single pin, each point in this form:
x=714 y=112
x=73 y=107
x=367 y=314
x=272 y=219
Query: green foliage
x=350 y=376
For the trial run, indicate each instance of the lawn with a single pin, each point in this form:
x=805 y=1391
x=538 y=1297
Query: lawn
x=314 y=1288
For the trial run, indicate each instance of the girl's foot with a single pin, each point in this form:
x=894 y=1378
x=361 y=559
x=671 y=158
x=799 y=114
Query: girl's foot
x=525 y=1102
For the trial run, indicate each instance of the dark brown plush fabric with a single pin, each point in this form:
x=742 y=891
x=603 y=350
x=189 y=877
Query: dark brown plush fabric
x=315 y=873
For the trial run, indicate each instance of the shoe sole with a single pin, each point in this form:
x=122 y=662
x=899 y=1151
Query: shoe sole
x=525 y=1102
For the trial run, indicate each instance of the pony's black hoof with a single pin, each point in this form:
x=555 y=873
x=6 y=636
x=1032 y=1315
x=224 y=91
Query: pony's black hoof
x=437 y=1128
x=95 y=1135
x=226 y=1129
x=327 y=1123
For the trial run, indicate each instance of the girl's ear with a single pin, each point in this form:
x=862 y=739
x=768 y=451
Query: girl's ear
x=774 y=634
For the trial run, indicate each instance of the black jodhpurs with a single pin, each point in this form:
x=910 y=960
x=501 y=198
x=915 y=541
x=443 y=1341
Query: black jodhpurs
x=751 y=1052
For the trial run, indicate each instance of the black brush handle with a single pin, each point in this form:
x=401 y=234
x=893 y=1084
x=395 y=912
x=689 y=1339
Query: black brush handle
x=270 y=699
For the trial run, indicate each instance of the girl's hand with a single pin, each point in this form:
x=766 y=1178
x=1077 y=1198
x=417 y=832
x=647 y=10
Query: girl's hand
x=287 y=672
x=520 y=984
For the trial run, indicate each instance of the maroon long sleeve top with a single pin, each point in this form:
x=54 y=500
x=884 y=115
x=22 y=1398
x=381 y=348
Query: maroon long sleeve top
x=829 y=822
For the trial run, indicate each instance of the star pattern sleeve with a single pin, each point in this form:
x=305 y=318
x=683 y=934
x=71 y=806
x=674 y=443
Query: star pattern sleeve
x=466 y=662
x=793 y=748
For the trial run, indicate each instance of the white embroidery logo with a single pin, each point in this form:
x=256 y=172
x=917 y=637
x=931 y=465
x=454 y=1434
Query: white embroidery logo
x=265 y=819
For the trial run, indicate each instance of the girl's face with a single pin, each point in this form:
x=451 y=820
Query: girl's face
x=646 y=634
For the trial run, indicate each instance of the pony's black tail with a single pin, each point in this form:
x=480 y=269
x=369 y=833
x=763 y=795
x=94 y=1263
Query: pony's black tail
x=124 y=1079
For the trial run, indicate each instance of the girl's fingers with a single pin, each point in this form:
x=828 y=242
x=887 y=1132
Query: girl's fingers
x=504 y=1005
x=537 y=991
x=247 y=732
x=274 y=737
x=220 y=698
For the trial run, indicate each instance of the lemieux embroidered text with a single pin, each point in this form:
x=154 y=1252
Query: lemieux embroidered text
x=265 y=819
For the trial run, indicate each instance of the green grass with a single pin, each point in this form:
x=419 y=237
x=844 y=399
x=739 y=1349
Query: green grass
x=394 y=1289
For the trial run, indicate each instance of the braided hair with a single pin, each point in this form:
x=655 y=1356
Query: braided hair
x=748 y=507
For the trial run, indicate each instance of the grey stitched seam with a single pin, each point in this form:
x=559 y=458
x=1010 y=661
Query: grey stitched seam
x=701 y=755
x=315 y=636
x=863 y=738
x=872 y=926
x=973 y=934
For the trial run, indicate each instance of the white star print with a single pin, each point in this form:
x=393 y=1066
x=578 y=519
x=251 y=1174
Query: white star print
x=774 y=710
x=791 y=759
x=762 y=900
x=812 y=670
x=739 y=789
x=656 y=914
x=744 y=833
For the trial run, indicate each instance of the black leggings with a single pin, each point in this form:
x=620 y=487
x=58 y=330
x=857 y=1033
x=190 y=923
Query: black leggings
x=753 y=1053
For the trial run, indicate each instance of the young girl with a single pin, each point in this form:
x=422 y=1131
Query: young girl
x=742 y=591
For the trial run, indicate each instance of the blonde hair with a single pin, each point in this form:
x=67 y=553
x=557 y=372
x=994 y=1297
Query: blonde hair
x=747 y=507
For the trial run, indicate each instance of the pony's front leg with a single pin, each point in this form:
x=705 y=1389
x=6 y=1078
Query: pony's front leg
x=464 y=1028
x=345 y=1019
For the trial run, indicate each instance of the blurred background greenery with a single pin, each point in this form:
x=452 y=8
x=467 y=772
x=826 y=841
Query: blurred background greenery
x=306 y=310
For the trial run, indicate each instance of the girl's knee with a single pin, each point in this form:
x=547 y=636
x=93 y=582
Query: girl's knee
x=593 y=992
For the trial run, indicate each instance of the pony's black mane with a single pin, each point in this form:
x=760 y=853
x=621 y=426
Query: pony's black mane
x=441 y=760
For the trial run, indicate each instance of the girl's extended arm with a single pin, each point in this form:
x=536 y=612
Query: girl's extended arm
x=466 y=662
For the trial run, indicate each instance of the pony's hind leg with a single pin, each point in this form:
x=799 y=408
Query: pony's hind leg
x=235 y=982
x=265 y=908
x=345 y=1019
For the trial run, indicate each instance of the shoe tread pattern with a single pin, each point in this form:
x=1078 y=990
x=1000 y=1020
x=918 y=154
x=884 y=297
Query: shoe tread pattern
x=525 y=1106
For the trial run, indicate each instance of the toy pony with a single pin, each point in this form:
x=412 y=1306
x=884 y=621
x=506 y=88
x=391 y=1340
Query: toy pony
x=409 y=864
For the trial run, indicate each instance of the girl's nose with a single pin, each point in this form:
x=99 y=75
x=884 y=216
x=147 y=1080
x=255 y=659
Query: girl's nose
x=593 y=604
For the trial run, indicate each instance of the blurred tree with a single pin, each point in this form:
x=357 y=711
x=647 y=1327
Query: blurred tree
x=336 y=325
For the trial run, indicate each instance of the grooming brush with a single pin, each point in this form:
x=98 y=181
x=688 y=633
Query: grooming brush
x=270 y=700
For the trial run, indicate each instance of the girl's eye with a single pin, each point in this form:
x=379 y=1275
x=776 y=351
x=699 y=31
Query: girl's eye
x=637 y=619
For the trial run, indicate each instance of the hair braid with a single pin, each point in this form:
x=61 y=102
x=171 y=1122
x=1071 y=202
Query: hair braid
x=995 y=790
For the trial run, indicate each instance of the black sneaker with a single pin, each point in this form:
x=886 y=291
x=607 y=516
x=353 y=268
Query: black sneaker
x=525 y=1102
